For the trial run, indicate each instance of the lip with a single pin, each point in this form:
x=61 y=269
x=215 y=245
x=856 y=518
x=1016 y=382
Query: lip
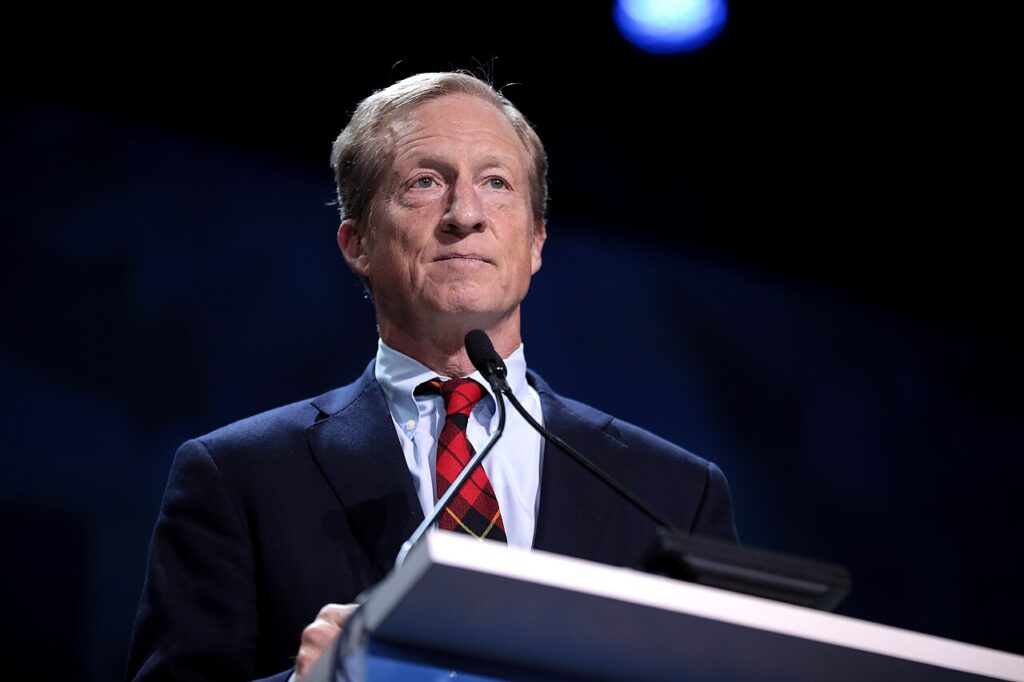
x=463 y=256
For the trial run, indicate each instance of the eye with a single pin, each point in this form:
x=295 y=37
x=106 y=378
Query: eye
x=497 y=183
x=426 y=182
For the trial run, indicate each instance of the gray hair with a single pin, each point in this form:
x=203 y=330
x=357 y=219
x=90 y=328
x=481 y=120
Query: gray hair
x=361 y=155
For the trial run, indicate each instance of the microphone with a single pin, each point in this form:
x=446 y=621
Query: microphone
x=492 y=367
x=675 y=553
x=486 y=360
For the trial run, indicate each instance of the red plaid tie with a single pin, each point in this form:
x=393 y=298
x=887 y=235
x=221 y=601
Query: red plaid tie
x=474 y=509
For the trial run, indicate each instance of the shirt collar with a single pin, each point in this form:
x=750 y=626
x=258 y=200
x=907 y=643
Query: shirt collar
x=399 y=375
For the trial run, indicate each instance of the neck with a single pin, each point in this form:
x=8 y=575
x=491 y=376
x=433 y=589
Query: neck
x=441 y=347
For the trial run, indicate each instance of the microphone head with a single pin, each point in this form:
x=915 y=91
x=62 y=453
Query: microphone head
x=483 y=356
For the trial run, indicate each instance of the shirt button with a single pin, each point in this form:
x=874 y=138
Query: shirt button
x=410 y=425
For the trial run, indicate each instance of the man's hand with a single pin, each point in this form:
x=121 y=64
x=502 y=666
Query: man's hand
x=320 y=634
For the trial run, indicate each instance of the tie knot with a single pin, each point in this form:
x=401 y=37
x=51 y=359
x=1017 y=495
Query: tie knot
x=460 y=395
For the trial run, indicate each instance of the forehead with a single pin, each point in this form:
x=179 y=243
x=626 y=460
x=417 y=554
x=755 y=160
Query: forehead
x=456 y=124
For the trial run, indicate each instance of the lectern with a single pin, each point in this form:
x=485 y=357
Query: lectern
x=471 y=611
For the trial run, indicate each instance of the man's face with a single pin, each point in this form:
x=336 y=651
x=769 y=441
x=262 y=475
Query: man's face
x=452 y=236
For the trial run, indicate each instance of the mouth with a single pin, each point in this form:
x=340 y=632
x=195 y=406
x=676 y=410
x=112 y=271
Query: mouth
x=462 y=257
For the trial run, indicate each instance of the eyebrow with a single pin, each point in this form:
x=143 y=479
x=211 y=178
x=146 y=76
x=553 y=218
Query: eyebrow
x=496 y=160
x=490 y=161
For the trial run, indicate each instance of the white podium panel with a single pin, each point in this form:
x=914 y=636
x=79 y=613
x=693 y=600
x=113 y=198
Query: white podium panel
x=546 y=612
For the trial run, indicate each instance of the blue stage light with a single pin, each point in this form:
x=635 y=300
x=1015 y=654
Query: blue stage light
x=667 y=26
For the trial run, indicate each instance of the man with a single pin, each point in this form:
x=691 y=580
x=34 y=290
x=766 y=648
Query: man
x=442 y=188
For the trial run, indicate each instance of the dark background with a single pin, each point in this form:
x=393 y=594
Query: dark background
x=793 y=237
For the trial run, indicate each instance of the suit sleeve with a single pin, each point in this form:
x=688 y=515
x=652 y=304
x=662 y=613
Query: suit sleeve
x=714 y=515
x=198 y=618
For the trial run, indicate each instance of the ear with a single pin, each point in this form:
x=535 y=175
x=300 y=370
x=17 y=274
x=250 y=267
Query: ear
x=540 y=233
x=351 y=241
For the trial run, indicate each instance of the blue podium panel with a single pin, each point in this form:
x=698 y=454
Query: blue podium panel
x=379 y=661
x=383 y=662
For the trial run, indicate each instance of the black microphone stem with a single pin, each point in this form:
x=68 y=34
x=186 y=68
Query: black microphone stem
x=467 y=470
x=590 y=466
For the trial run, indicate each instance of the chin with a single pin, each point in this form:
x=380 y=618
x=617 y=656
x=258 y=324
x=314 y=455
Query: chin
x=465 y=297
x=480 y=304
x=479 y=311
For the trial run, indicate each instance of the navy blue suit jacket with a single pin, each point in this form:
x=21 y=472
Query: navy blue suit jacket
x=268 y=519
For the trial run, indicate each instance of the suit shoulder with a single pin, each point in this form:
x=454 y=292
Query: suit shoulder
x=281 y=429
x=655 y=443
x=638 y=440
x=693 y=489
x=269 y=426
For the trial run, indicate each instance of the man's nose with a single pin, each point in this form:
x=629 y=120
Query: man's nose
x=465 y=208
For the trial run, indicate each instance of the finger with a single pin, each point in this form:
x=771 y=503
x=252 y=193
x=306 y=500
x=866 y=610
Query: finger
x=304 y=661
x=337 y=613
x=315 y=643
x=319 y=634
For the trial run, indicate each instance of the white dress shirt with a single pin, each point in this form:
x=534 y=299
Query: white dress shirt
x=513 y=464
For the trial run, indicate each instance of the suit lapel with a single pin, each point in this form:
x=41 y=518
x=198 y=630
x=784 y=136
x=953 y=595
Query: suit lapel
x=358 y=451
x=573 y=503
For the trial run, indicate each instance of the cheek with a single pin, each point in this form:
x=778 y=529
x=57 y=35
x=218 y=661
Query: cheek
x=404 y=233
x=507 y=207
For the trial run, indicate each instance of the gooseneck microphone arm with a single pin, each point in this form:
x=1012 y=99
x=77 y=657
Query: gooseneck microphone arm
x=623 y=492
x=489 y=363
x=455 y=486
